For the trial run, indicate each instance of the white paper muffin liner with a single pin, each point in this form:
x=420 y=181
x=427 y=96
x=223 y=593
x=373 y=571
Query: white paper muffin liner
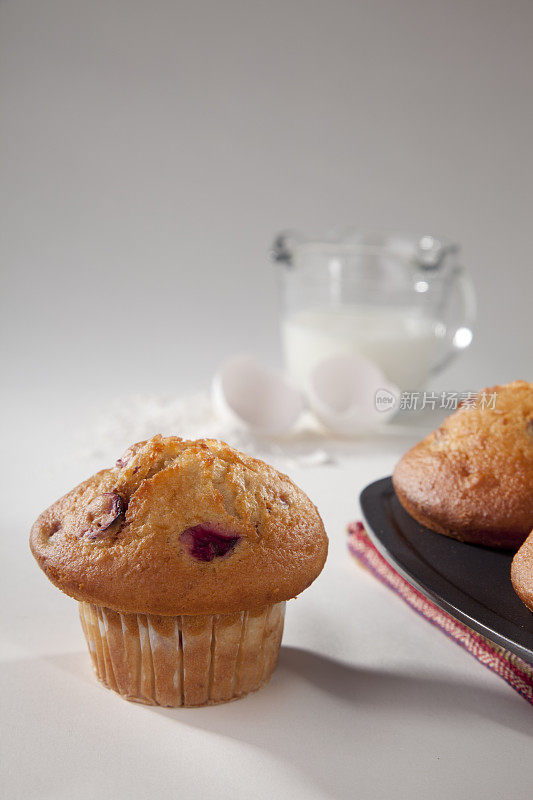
x=188 y=660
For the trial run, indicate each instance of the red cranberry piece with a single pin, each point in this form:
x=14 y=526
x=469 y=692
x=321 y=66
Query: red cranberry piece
x=124 y=458
x=127 y=455
x=206 y=543
x=104 y=515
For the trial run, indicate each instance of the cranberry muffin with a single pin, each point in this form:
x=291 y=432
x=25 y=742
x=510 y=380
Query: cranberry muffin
x=182 y=557
x=472 y=478
x=522 y=572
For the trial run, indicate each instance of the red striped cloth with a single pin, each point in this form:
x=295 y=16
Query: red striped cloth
x=517 y=673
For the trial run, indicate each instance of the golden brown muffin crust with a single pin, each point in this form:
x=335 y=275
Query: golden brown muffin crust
x=115 y=541
x=472 y=478
x=522 y=572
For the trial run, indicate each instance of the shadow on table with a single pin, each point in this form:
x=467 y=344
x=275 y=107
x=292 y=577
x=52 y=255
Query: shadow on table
x=306 y=685
x=381 y=689
x=291 y=719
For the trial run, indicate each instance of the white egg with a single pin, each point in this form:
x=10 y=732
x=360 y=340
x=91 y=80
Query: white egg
x=350 y=394
x=255 y=398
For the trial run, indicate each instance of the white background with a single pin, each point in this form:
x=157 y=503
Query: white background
x=150 y=151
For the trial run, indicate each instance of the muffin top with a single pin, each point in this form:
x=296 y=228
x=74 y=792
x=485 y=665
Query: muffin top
x=182 y=527
x=472 y=478
x=522 y=572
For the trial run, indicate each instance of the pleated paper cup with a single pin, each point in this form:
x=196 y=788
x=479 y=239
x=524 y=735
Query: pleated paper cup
x=188 y=660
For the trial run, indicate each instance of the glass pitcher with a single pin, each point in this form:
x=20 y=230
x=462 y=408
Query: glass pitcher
x=404 y=303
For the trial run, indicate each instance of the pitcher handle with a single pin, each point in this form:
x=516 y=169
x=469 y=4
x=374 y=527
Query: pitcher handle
x=459 y=334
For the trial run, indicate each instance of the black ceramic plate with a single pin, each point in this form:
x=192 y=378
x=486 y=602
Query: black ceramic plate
x=470 y=582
